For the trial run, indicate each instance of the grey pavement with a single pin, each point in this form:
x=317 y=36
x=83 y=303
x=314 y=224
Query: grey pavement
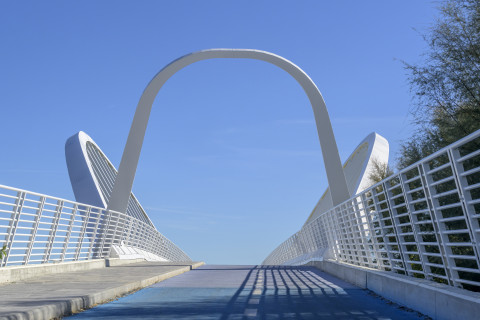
x=251 y=292
x=55 y=295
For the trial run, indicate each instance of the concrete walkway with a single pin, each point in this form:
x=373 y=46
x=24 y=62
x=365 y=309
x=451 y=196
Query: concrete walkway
x=56 y=295
x=251 y=292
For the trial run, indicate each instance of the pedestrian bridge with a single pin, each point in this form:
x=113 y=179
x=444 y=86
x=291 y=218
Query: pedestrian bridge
x=411 y=239
x=417 y=231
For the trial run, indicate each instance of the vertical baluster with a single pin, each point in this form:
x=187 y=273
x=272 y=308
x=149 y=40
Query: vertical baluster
x=53 y=231
x=81 y=237
x=363 y=228
x=436 y=224
x=441 y=236
x=114 y=220
x=129 y=230
x=464 y=195
x=12 y=226
x=71 y=223
x=94 y=243
x=390 y=203
x=381 y=223
x=125 y=228
x=375 y=247
x=33 y=233
x=416 y=236
x=106 y=216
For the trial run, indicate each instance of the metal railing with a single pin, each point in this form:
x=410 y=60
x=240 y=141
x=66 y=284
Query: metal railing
x=422 y=222
x=43 y=229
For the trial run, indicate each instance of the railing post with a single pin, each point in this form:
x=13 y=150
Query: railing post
x=114 y=220
x=53 y=231
x=454 y=276
x=412 y=218
x=33 y=233
x=381 y=223
x=372 y=232
x=333 y=228
x=81 y=237
x=125 y=228
x=134 y=234
x=388 y=196
x=94 y=243
x=463 y=195
x=12 y=227
x=69 y=232
x=435 y=223
x=343 y=236
x=365 y=230
x=104 y=234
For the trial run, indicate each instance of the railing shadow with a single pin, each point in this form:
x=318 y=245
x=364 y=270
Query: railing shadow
x=260 y=292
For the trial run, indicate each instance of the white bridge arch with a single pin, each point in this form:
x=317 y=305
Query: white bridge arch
x=131 y=153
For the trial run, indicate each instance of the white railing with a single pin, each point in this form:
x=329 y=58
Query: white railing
x=422 y=222
x=43 y=229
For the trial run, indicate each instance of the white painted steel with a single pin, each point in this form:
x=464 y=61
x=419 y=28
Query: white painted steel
x=423 y=222
x=131 y=154
x=93 y=175
x=43 y=229
x=357 y=170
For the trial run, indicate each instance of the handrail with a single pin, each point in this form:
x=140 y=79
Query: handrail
x=43 y=229
x=423 y=221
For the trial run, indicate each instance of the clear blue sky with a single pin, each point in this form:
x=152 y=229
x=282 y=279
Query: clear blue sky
x=231 y=165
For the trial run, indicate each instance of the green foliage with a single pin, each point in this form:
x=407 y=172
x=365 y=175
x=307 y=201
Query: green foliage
x=3 y=251
x=379 y=171
x=447 y=83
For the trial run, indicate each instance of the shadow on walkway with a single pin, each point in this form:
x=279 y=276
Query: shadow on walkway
x=251 y=292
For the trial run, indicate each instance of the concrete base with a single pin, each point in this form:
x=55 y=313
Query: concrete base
x=19 y=273
x=436 y=300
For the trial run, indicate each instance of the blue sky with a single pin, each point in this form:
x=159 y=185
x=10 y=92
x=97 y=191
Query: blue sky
x=231 y=165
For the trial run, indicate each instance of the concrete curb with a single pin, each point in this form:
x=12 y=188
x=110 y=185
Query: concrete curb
x=19 y=273
x=57 y=310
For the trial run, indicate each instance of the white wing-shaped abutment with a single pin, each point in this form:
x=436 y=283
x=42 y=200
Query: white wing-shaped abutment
x=93 y=175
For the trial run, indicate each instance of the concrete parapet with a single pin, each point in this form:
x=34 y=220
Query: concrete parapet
x=436 y=300
x=114 y=262
x=356 y=276
x=19 y=273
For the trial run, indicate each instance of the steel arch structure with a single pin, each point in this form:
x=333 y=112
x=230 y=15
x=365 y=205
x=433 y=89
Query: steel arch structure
x=131 y=154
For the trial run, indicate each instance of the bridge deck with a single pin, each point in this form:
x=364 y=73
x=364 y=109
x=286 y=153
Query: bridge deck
x=250 y=292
